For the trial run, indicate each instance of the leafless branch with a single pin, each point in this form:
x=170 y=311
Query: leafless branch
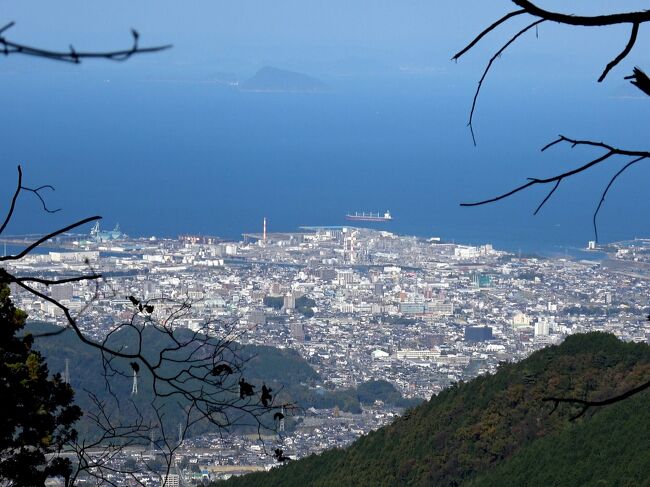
x=47 y=237
x=487 y=70
x=199 y=371
x=639 y=79
x=609 y=185
x=623 y=54
x=8 y=47
x=635 y=19
x=640 y=16
x=20 y=188
x=486 y=31
x=610 y=151
x=548 y=196
x=585 y=405
x=111 y=438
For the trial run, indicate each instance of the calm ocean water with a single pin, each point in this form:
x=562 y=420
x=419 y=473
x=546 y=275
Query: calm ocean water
x=165 y=158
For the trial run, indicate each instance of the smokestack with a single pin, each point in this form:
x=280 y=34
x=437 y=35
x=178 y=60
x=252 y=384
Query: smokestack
x=264 y=232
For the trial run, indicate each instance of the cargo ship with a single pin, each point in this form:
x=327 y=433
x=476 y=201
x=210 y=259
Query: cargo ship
x=369 y=217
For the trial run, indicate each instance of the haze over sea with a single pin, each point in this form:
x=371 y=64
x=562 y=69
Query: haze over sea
x=166 y=148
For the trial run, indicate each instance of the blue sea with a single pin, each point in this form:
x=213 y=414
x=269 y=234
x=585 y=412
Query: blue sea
x=167 y=156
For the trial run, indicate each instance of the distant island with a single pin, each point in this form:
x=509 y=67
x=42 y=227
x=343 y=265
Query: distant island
x=275 y=80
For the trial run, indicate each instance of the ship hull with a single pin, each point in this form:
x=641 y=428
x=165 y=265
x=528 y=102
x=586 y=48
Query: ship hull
x=367 y=218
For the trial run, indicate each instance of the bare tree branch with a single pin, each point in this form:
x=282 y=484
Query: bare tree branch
x=487 y=70
x=548 y=196
x=200 y=371
x=610 y=151
x=8 y=47
x=640 y=16
x=609 y=185
x=623 y=54
x=6 y=277
x=589 y=404
x=486 y=31
x=635 y=18
x=47 y=237
x=12 y=206
x=639 y=79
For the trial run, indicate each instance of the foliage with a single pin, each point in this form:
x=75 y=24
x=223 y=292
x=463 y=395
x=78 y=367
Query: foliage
x=585 y=310
x=37 y=411
x=610 y=449
x=471 y=428
x=304 y=304
x=275 y=302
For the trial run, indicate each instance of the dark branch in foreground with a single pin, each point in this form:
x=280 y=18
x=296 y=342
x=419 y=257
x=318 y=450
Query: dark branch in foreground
x=639 y=79
x=557 y=179
x=635 y=19
x=623 y=54
x=486 y=31
x=199 y=371
x=585 y=405
x=8 y=47
x=640 y=16
x=487 y=70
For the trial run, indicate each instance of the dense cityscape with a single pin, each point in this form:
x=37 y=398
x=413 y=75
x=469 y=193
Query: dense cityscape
x=357 y=304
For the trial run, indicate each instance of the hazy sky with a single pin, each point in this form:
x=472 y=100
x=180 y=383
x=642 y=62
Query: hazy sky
x=305 y=32
x=153 y=142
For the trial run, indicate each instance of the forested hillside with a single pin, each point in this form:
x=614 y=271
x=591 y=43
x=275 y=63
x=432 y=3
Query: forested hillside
x=292 y=379
x=495 y=429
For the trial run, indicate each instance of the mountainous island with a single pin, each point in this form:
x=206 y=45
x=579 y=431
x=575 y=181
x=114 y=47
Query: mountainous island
x=274 y=80
x=497 y=430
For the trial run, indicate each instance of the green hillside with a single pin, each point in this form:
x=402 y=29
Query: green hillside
x=292 y=379
x=611 y=448
x=494 y=429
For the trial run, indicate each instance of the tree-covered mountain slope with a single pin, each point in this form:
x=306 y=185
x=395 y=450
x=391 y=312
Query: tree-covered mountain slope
x=494 y=425
x=290 y=376
x=610 y=449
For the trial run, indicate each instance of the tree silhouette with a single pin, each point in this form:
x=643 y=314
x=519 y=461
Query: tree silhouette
x=200 y=372
x=38 y=411
x=638 y=78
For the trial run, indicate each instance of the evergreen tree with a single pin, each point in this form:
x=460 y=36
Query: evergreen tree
x=37 y=411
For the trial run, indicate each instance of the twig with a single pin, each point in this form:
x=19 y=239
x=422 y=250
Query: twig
x=486 y=31
x=609 y=185
x=623 y=54
x=610 y=151
x=487 y=70
x=47 y=237
x=72 y=55
x=589 y=404
x=635 y=18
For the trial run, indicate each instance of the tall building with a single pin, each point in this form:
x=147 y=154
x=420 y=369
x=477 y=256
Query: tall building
x=411 y=308
x=379 y=289
x=345 y=277
x=298 y=332
x=439 y=308
x=327 y=274
x=149 y=290
x=542 y=328
x=171 y=480
x=62 y=292
x=289 y=301
x=257 y=317
x=520 y=320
